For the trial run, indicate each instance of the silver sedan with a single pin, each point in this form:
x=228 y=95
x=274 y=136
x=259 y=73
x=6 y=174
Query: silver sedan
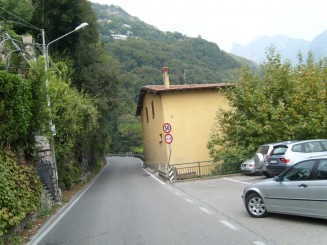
x=299 y=190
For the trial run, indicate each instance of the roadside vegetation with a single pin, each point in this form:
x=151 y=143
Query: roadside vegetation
x=279 y=103
x=81 y=79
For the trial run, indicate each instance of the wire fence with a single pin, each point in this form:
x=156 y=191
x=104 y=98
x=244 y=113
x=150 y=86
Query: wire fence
x=205 y=169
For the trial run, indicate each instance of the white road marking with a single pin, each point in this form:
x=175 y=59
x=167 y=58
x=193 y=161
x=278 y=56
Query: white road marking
x=177 y=193
x=253 y=178
x=65 y=211
x=189 y=200
x=229 y=225
x=160 y=181
x=237 y=181
x=259 y=243
x=205 y=210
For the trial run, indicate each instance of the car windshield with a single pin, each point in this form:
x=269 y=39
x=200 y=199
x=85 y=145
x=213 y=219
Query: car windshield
x=263 y=149
x=279 y=150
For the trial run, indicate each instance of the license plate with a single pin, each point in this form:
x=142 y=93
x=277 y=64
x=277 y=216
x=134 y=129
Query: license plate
x=273 y=161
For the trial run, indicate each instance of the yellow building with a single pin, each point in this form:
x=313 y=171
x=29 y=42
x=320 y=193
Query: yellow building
x=177 y=120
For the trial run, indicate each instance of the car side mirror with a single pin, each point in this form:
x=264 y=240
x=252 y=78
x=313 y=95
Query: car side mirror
x=277 y=179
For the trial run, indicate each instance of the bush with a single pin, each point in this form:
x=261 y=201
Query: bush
x=69 y=176
x=20 y=192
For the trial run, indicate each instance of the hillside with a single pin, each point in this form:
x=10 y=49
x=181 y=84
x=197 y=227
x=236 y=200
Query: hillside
x=287 y=46
x=142 y=50
x=256 y=49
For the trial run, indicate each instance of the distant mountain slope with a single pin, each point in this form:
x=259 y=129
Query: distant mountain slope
x=319 y=45
x=142 y=50
x=288 y=47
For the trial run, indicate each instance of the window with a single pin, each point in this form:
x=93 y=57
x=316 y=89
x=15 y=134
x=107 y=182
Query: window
x=279 y=150
x=146 y=114
x=316 y=146
x=324 y=143
x=322 y=170
x=152 y=106
x=300 y=172
x=297 y=148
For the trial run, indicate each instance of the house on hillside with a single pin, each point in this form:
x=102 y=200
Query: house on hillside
x=177 y=120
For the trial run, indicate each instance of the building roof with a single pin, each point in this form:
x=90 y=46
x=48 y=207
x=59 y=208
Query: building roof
x=158 y=89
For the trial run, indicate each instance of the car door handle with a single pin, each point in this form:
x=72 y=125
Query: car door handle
x=303 y=185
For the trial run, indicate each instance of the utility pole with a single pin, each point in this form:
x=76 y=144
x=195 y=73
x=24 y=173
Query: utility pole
x=184 y=75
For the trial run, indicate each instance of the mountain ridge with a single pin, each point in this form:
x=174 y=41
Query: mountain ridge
x=288 y=47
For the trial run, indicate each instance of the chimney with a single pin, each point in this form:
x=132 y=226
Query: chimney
x=165 y=77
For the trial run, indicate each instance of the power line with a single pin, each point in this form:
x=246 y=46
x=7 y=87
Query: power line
x=24 y=21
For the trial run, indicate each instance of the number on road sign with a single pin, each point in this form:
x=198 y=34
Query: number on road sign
x=168 y=138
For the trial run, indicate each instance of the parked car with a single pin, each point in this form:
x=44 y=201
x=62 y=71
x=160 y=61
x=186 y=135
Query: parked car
x=299 y=190
x=248 y=166
x=286 y=154
x=260 y=157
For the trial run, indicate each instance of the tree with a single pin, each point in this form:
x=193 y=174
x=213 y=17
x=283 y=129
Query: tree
x=17 y=13
x=280 y=103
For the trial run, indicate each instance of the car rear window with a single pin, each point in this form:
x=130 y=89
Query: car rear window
x=279 y=150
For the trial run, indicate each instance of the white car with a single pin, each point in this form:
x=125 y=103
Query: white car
x=248 y=166
x=260 y=157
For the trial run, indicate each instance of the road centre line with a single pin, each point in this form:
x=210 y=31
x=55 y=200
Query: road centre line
x=188 y=200
x=229 y=225
x=259 y=243
x=233 y=180
x=205 y=210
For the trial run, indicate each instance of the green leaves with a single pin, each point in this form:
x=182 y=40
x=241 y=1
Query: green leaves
x=20 y=191
x=280 y=103
x=15 y=109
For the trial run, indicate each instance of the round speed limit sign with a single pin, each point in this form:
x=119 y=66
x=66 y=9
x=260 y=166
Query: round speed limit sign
x=168 y=138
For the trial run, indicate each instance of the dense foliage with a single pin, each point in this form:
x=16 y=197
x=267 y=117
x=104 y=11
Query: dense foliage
x=281 y=103
x=20 y=192
x=79 y=90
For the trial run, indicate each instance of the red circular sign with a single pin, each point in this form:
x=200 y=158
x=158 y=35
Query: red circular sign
x=166 y=128
x=168 y=138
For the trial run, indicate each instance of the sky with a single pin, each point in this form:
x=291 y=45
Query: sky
x=225 y=22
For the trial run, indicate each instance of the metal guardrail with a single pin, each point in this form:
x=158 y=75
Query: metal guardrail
x=190 y=170
x=126 y=154
x=204 y=169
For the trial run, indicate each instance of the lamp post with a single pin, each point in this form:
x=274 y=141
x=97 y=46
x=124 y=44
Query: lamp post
x=45 y=50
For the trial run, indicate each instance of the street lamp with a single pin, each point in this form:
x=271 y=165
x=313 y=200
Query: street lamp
x=45 y=49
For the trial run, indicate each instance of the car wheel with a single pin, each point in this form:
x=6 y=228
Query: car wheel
x=266 y=174
x=255 y=206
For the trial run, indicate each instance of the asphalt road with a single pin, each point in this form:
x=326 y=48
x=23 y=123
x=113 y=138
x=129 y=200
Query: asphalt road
x=127 y=205
x=224 y=196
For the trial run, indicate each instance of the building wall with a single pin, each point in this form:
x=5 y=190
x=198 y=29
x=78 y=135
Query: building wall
x=191 y=115
x=155 y=149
